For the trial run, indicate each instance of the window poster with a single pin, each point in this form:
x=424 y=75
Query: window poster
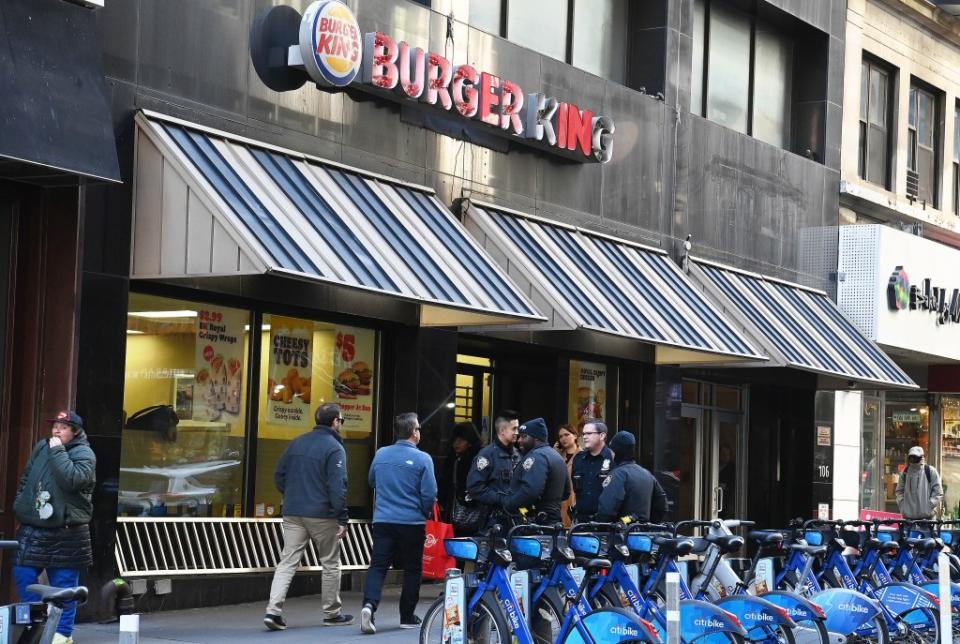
x=587 y=391
x=290 y=372
x=353 y=381
x=218 y=359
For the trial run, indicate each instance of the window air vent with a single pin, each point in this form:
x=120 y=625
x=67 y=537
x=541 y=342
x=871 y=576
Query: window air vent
x=913 y=184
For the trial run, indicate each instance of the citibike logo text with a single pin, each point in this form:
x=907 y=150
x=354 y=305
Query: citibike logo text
x=758 y=617
x=854 y=608
x=709 y=622
x=624 y=630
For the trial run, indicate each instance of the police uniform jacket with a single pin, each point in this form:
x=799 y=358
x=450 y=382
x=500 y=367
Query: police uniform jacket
x=588 y=474
x=632 y=490
x=488 y=481
x=540 y=484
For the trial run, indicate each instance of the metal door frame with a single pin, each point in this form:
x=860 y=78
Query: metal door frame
x=696 y=413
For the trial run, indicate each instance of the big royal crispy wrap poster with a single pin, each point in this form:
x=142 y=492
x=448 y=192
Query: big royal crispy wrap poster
x=290 y=373
x=587 y=392
x=218 y=360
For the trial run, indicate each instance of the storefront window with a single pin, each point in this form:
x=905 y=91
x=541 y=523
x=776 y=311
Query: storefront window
x=907 y=424
x=304 y=364
x=473 y=396
x=184 y=402
x=587 y=392
x=870 y=441
x=951 y=456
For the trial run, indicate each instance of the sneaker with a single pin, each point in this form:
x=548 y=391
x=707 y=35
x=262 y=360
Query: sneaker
x=366 y=620
x=411 y=622
x=340 y=620
x=61 y=639
x=274 y=622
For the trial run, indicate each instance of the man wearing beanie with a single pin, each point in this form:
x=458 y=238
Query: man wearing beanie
x=630 y=489
x=540 y=482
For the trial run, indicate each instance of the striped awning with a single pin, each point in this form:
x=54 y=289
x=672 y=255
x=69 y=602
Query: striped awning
x=595 y=282
x=799 y=327
x=292 y=214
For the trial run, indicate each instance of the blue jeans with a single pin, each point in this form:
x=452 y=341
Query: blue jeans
x=59 y=577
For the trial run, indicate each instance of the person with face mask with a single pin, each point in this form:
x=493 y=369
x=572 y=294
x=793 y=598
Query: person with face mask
x=540 y=482
x=918 y=489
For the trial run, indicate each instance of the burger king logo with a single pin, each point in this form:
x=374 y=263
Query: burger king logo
x=330 y=43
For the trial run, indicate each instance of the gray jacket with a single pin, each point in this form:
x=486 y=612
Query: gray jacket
x=917 y=498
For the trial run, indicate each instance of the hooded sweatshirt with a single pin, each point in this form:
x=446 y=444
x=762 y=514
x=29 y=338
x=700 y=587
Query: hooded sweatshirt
x=917 y=498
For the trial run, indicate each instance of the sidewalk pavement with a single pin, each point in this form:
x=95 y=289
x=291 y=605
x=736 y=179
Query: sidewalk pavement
x=244 y=623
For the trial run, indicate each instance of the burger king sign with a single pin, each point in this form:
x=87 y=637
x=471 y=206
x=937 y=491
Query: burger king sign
x=330 y=43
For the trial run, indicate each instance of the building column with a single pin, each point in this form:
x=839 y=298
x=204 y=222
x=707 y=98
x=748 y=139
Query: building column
x=848 y=406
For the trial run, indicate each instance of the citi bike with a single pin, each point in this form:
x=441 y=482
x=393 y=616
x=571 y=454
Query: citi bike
x=484 y=607
x=867 y=611
x=36 y=622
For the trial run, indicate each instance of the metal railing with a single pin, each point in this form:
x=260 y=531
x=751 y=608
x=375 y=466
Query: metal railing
x=169 y=546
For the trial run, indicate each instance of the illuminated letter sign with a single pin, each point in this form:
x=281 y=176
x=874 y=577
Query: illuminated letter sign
x=902 y=295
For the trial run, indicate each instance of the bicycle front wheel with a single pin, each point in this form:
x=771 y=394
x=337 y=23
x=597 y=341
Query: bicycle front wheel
x=485 y=624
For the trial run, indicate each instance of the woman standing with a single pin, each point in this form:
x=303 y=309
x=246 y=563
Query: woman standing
x=54 y=505
x=568 y=444
x=452 y=482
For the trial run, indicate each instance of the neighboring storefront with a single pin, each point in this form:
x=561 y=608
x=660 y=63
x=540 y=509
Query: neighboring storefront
x=901 y=290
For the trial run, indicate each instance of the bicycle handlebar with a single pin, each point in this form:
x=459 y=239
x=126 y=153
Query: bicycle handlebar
x=9 y=545
x=830 y=522
x=534 y=527
x=594 y=525
x=694 y=524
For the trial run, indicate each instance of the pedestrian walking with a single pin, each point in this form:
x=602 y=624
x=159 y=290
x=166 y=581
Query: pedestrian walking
x=568 y=446
x=488 y=481
x=54 y=505
x=919 y=491
x=631 y=490
x=541 y=481
x=405 y=490
x=590 y=469
x=312 y=476
x=452 y=482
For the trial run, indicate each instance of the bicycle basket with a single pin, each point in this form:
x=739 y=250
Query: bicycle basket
x=885 y=536
x=586 y=544
x=531 y=551
x=640 y=543
x=819 y=537
x=464 y=548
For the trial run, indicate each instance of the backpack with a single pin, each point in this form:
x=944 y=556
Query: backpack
x=926 y=472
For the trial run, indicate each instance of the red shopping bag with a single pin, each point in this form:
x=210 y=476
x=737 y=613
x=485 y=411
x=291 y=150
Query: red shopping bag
x=435 y=559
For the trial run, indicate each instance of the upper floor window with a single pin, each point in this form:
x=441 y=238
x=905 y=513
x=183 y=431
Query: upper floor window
x=923 y=154
x=589 y=34
x=742 y=72
x=874 y=147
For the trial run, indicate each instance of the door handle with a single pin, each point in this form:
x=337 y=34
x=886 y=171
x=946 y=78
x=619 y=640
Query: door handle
x=720 y=498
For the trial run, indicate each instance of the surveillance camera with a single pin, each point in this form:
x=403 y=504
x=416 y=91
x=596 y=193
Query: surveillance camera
x=851 y=384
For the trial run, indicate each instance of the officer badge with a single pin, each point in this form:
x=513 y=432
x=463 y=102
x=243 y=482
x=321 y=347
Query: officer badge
x=482 y=463
x=606 y=481
x=527 y=464
x=606 y=464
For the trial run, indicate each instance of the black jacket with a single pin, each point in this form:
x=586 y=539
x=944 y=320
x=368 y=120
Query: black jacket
x=488 y=480
x=632 y=490
x=312 y=476
x=587 y=474
x=540 y=484
x=452 y=483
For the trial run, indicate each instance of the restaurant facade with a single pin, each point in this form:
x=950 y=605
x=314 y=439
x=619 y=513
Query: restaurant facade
x=399 y=207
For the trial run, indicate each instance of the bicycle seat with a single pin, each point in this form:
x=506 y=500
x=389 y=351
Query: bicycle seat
x=679 y=545
x=58 y=596
x=765 y=537
x=923 y=544
x=726 y=542
x=813 y=551
x=598 y=564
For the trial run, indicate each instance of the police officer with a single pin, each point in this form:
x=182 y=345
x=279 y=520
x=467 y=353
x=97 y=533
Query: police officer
x=540 y=482
x=590 y=469
x=488 y=481
x=630 y=490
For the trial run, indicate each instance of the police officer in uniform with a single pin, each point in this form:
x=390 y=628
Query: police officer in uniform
x=488 y=481
x=630 y=490
x=590 y=469
x=540 y=482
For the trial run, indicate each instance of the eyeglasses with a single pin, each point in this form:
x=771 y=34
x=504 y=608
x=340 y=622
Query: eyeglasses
x=590 y=433
x=341 y=419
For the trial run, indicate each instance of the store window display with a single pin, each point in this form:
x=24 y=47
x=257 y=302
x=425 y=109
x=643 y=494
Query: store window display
x=950 y=457
x=906 y=424
x=184 y=403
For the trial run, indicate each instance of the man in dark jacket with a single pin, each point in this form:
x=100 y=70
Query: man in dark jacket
x=312 y=476
x=488 y=481
x=54 y=506
x=591 y=467
x=631 y=490
x=540 y=482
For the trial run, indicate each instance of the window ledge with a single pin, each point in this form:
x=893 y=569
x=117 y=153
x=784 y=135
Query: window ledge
x=888 y=206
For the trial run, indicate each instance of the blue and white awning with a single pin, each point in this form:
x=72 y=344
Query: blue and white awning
x=799 y=327
x=583 y=279
x=236 y=206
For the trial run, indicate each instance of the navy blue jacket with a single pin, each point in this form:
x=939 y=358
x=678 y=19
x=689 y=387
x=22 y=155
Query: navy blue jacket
x=540 y=484
x=312 y=476
x=488 y=481
x=404 y=484
x=632 y=490
x=588 y=473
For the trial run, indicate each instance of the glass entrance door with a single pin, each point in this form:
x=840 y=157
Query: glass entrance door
x=690 y=465
x=726 y=443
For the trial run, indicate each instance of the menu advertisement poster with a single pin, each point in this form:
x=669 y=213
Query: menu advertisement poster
x=218 y=360
x=290 y=375
x=587 y=392
x=353 y=378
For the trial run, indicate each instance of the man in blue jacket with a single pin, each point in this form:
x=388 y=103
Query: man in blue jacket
x=312 y=476
x=404 y=493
